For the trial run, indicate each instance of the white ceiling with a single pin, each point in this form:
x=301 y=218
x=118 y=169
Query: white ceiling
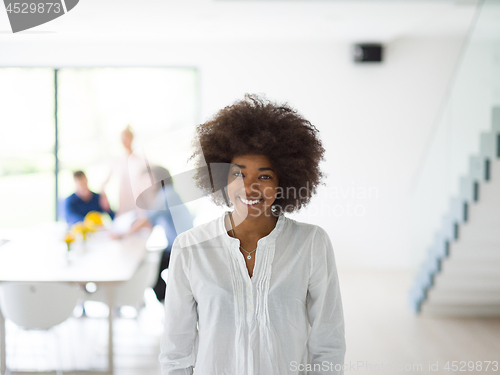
x=211 y=20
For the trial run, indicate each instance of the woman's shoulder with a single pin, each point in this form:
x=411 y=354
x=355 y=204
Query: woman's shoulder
x=200 y=233
x=308 y=239
x=302 y=228
x=305 y=235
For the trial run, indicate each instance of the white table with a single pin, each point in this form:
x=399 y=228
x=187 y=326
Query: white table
x=41 y=256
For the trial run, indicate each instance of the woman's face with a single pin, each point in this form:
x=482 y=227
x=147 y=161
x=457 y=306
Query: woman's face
x=127 y=139
x=252 y=185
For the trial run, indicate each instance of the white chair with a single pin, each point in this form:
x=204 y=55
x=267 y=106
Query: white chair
x=38 y=306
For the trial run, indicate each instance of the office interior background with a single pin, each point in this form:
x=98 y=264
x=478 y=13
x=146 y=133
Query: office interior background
x=411 y=196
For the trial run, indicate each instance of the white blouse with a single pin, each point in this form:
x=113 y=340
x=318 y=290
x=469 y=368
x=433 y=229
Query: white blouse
x=286 y=319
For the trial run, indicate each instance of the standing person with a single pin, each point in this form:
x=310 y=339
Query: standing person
x=126 y=168
x=79 y=204
x=255 y=292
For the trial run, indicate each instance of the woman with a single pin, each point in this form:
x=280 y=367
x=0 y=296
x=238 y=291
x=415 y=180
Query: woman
x=254 y=292
x=127 y=168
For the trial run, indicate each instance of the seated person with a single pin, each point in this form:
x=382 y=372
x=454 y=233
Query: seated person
x=163 y=202
x=83 y=201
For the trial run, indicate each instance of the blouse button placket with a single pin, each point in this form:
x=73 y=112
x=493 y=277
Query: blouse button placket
x=250 y=306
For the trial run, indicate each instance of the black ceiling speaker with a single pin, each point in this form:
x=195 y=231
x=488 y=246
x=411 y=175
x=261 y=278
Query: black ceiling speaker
x=368 y=52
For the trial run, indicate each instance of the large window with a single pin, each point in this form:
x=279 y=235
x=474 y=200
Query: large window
x=27 y=137
x=94 y=106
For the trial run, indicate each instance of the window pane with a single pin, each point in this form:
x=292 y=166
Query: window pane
x=96 y=104
x=27 y=189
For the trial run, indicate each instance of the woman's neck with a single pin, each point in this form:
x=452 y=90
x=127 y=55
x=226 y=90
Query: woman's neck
x=255 y=228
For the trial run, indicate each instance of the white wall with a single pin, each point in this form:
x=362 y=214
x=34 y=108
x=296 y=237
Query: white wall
x=374 y=120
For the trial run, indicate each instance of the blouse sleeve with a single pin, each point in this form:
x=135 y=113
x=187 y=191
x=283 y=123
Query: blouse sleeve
x=178 y=342
x=326 y=342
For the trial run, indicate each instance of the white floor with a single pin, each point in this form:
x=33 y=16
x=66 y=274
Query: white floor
x=382 y=330
x=383 y=336
x=136 y=343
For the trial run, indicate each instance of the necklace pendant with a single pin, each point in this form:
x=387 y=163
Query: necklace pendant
x=249 y=257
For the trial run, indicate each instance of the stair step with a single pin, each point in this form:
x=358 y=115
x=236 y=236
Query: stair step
x=477 y=167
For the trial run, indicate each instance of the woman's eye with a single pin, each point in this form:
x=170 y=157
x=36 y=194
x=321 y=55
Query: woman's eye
x=238 y=174
x=265 y=177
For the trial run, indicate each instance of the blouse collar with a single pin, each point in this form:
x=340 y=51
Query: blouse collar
x=271 y=237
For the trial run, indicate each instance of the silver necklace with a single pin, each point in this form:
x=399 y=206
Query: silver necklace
x=249 y=256
x=248 y=252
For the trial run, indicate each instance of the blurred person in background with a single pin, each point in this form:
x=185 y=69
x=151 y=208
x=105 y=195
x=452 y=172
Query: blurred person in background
x=127 y=167
x=164 y=207
x=84 y=200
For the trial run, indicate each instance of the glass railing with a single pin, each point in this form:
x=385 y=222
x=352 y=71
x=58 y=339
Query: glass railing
x=460 y=140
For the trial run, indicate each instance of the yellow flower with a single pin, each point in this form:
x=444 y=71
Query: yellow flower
x=80 y=228
x=92 y=221
x=77 y=227
x=69 y=238
x=94 y=217
x=90 y=226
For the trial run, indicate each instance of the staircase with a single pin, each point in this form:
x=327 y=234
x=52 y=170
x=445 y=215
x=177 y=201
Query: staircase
x=461 y=276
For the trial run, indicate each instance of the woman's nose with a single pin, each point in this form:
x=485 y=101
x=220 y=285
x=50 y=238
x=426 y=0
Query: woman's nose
x=251 y=186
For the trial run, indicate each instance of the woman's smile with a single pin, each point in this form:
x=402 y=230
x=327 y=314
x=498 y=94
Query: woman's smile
x=250 y=202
